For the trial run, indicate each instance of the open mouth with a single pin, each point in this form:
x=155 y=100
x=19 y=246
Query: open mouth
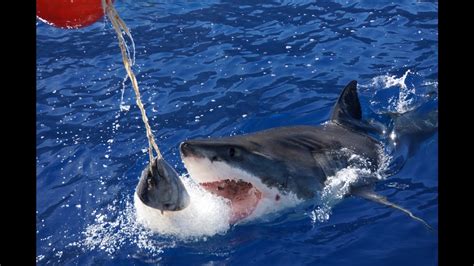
x=243 y=196
x=221 y=178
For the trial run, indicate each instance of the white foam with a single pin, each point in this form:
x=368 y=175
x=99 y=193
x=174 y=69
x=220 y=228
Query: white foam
x=206 y=215
x=338 y=186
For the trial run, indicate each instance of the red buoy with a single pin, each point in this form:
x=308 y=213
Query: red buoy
x=69 y=13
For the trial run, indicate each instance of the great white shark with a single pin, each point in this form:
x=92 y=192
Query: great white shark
x=278 y=163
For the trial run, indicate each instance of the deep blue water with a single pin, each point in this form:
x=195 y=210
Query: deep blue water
x=218 y=68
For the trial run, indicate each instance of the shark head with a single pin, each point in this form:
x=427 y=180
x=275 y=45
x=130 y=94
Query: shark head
x=236 y=168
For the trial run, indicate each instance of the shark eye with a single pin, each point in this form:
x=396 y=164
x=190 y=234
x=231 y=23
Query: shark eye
x=231 y=152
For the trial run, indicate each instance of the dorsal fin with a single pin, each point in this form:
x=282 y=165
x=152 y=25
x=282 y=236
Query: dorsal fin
x=347 y=107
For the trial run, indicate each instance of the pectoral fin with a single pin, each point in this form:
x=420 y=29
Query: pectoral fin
x=369 y=194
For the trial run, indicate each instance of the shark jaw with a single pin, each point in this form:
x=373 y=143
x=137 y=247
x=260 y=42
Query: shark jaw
x=248 y=197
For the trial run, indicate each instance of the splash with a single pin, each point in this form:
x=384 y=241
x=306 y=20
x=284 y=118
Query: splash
x=110 y=233
x=124 y=107
x=402 y=97
x=130 y=225
x=387 y=81
x=206 y=215
x=148 y=231
x=338 y=186
x=403 y=94
x=406 y=96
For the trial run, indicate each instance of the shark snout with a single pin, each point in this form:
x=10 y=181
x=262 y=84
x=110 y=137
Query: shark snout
x=186 y=149
x=191 y=149
x=197 y=148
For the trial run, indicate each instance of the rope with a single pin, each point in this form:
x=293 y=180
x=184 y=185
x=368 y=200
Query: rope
x=119 y=25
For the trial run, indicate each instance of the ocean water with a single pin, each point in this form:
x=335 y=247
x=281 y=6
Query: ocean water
x=220 y=68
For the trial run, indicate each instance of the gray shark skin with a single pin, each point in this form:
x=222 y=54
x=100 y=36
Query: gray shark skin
x=296 y=159
x=292 y=159
x=161 y=188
